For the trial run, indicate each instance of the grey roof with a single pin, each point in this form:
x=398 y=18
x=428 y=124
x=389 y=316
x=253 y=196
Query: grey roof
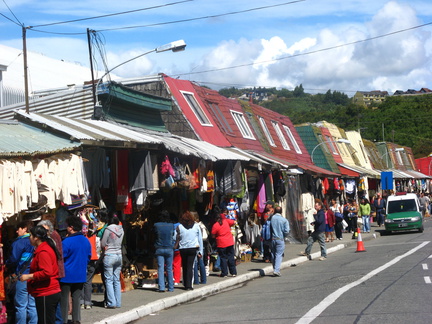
x=74 y=102
x=97 y=132
x=17 y=139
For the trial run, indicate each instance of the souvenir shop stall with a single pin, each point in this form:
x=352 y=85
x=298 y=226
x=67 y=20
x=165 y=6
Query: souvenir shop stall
x=304 y=189
x=33 y=187
x=138 y=184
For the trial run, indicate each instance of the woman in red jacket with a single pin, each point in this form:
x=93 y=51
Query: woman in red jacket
x=43 y=283
x=221 y=231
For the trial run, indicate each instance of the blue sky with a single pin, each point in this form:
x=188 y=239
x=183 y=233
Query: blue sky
x=280 y=46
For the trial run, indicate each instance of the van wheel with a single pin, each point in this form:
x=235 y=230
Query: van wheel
x=421 y=229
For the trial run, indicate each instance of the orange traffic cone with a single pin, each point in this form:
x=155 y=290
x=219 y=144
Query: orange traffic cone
x=360 y=246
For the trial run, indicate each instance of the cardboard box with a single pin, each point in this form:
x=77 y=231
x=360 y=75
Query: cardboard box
x=150 y=273
x=97 y=279
x=246 y=257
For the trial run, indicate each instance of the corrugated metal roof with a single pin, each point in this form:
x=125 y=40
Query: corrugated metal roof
x=95 y=132
x=18 y=139
x=76 y=102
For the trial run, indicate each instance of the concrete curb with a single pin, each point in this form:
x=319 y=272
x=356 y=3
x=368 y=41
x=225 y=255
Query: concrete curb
x=212 y=289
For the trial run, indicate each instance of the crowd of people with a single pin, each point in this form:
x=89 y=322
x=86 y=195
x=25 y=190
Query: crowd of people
x=51 y=273
x=55 y=270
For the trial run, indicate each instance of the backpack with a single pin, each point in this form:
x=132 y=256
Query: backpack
x=266 y=231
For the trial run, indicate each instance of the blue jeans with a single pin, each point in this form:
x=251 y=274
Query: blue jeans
x=366 y=223
x=25 y=305
x=164 y=259
x=277 y=251
x=199 y=266
x=227 y=260
x=112 y=268
x=316 y=236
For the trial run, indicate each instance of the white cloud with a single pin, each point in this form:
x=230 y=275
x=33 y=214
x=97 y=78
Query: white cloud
x=389 y=63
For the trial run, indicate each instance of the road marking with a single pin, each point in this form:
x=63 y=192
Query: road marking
x=427 y=279
x=430 y=256
x=330 y=299
x=425 y=266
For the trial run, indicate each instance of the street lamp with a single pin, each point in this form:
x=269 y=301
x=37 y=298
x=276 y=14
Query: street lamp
x=175 y=46
x=397 y=149
x=340 y=140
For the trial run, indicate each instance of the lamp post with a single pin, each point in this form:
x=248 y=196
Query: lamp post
x=175 y=46
x=397 y=149
x=340 y=140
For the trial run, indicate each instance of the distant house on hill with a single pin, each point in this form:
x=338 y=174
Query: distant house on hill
x=368 y=98
x=422 y=91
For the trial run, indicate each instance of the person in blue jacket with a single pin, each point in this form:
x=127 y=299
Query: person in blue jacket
x=318 y=233
x=18 y=264
x=76 y=255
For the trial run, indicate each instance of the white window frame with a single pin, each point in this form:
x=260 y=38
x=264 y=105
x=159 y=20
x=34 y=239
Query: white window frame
x=196 y=108
x=292 y=139
x=399 y=158
x=242 y=125
x=266 y=131
x=280 y=135
x=331 y=142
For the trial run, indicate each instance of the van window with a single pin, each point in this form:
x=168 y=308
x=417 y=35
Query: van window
x=398 y=206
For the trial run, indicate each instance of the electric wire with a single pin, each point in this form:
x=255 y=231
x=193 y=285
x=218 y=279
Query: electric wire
x=10 y=19
x=18 y=21
x=111 y=15
x=305 y=53
x=204 y=17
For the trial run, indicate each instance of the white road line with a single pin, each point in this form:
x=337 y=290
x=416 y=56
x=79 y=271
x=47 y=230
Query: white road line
x=330 y=299
x=425 y=266
x=427 y=279
x=430 y=256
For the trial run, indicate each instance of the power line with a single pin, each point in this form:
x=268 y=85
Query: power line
x=306 y=53
x=111 y=15
x=10 y=19
x=204 y=17
x=19 y=22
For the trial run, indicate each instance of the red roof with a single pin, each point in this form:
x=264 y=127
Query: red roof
x=206 y=131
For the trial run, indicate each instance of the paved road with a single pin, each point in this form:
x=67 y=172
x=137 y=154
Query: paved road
x=387 y=284
x=141 y=302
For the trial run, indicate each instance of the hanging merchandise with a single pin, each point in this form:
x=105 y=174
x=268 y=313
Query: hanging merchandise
x=231 y=183
x=233 y=209
x=350 y=186
x=166 y=168
x=196 y=180
x=179 y=170
x=185 y=183
x=210 y=181
x=203 y=185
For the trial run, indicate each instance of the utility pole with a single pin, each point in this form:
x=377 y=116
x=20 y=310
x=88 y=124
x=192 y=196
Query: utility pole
x=91 y=64
x=26 y=89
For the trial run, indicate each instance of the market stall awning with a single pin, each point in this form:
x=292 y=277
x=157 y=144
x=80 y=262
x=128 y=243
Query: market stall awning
x=361 y=170
x=348 y=172
x=417 y=175
x=17 y=139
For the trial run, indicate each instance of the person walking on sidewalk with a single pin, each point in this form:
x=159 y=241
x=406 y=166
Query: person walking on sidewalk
x=189 y=242
x=279 y=230
x=364 y=213
x=111 y=244
x=76 y=255
x=164 y=245
x=221 y=231
x=379 y=204
x=318 y=233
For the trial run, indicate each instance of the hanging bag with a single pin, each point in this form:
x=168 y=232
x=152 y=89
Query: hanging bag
x=166 y=168
x=185 y=183
x=179 y=170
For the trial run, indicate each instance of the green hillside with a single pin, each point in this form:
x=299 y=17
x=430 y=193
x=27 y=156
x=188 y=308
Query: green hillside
x=404 y=120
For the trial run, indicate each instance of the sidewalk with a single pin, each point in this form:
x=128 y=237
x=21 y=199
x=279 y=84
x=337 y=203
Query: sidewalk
x=141 y=302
